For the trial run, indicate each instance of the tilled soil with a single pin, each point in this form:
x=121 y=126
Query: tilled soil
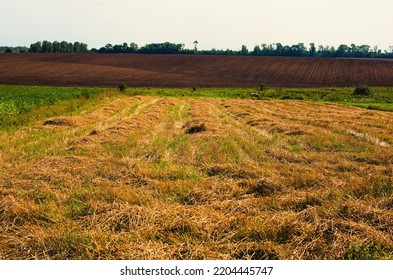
x=108 y=70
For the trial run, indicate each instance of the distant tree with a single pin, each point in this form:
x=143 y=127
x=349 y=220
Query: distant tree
x=343 y=51
x=212 y=51
x=196 y=46
x=133 y=48
x=125 y=47
x=268 y=50
x=122 y=87
x=257 y=51
x=76 y=48
x=244 y=50
x=297 y=50
x=47 y=47
x=56 y=47
x=326 y=51
x=36 y=47
x=84 y=48
x=279 y=49
x=8 y=50
x=375 y=52
x=332 y=51
x=64 y=47
x=313 y=50
x=364 y=50
x=262 y=87
x=108 y=48
x=362 y=90
x=354 y=50
x=13 y=49
x=276 y=49
x=117 y=49
x=162 y=48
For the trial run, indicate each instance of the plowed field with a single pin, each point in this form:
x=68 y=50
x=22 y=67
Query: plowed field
x=163 y=178
x=190 y=70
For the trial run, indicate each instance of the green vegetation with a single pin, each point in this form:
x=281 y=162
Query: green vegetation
x=275 y=49
x=122 y=87
x=20 y=99
x=17 y=101
x=362 y=252
x=58 y=47
x=262 y=87
x=7 y=49
x=362 y=90
x=388 y=107
x=380 y=94
x=189 y=92
x=381 y=99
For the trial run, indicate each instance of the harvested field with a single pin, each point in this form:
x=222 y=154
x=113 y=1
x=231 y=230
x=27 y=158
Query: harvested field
x=108 y=70
x=178 y=178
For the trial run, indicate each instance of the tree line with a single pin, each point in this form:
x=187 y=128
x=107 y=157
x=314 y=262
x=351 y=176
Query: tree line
x=361 y=51
x=276 y=49
x=58 y=47
x=156 y=48
x=7 y=49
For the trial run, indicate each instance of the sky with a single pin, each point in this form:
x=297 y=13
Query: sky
x=220 y=24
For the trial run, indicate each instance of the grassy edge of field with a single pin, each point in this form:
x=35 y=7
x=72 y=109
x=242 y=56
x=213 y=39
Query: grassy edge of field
x=38 y=110
x=381 y=98
x=386 y=107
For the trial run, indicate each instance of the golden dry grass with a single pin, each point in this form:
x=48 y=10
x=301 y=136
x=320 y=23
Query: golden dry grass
x=166 y=178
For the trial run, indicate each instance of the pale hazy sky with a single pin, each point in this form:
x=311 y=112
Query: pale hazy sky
x=217 y=24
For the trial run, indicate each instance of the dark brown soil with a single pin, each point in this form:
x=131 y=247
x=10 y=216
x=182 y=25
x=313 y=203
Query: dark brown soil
x=108 y=70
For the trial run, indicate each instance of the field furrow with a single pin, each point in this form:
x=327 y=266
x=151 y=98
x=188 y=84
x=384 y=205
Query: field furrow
x=191 y=70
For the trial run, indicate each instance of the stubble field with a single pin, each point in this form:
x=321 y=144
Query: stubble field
x=147 y=177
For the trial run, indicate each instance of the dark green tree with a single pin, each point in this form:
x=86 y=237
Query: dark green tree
x=122 y=87
x=64 y=47
x=76 y=48
x=84 y=48
x=36 y=47
x=362 y=90
x=117 y=49
x=244 y=50
x=56 y=47
x=279 y=49
x=133 y=48
x=47 y=47
x=125 y=47
x=343 y=51
x=257 y=51
x=313 y=50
